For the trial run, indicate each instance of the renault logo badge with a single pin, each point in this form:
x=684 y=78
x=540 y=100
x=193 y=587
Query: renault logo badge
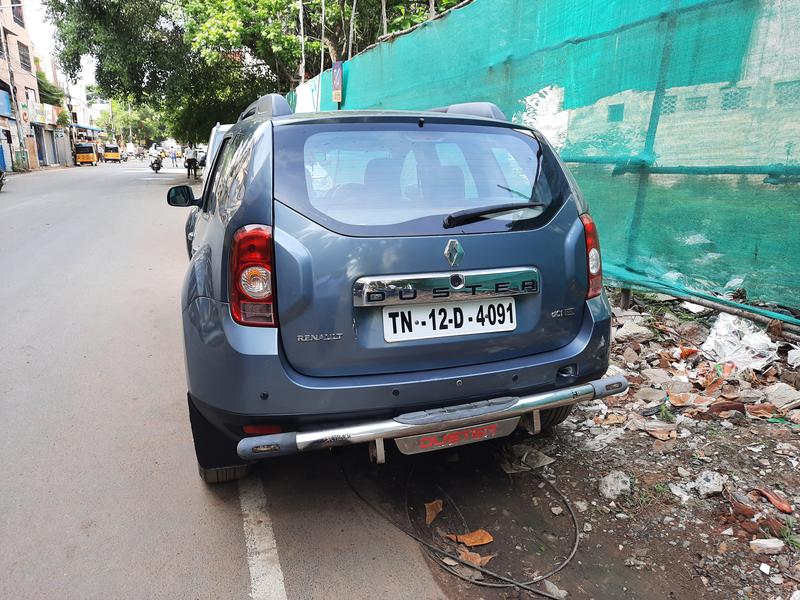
x=453 y=252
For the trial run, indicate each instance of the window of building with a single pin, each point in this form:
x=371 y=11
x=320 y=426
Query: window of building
x=616 y=112
x=24 y=56
x=669 y=104
x=733 y=98
x=30 y=95
x=696 y=103
x=787 y=93
x=17 y=12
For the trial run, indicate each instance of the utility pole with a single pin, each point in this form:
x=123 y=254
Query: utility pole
x=321 y=59
x=302 y=46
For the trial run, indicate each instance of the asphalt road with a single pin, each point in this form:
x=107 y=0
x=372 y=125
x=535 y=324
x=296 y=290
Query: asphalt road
x=100 y=494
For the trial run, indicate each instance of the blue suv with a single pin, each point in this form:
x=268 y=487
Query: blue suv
x=425 y=279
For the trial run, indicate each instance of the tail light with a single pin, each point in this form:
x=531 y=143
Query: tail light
x=261 y=429
x=594 y=266
x=252 y=283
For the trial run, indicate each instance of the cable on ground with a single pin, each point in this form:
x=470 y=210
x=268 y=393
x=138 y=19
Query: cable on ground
x=437 y=553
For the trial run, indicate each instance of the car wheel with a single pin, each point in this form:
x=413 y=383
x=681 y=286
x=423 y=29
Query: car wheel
x=217 y=460
x=553 y=416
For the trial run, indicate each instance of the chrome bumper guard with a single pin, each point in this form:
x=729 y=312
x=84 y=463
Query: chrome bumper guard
x=427 y=421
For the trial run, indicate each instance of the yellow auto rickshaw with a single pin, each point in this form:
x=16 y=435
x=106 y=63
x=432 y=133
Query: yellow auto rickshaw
x=112 y=153
x=85 y=154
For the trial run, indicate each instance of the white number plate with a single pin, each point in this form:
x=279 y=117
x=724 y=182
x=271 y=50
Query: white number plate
x=423 y=321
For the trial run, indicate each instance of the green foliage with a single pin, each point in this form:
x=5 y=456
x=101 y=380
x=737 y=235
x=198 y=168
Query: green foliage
x=63 y=120
x=49 y=93
x=665 y=414
x=197 y=62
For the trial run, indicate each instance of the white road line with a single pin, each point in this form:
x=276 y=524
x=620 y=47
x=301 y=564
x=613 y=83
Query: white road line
x=266 y=576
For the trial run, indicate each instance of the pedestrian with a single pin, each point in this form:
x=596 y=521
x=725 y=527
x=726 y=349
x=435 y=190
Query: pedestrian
x=174 y=156
x=191 y=161
x=101 y=153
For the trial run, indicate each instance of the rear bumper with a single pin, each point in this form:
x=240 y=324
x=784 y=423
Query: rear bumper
x=237 y=375
x=488 y=412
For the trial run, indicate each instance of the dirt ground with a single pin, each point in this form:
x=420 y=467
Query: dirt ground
x=685 y=486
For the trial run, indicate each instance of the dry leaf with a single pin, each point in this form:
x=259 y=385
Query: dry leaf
x=432 y=510
x=479 y=537
x=614 y=419
x=474 y=558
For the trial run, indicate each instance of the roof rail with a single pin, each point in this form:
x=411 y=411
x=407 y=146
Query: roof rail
x=487 y=110
x=271 y=105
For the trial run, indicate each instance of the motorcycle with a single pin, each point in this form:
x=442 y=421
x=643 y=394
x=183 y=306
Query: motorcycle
x=155 y=164
x=124 y=156
x=2 y=179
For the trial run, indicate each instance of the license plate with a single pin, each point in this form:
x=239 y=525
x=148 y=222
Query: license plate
x=423 y=321
x=439 y=440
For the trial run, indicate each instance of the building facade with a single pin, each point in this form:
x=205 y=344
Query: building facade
x=19 y=89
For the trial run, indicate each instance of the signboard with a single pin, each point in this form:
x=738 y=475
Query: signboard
x=37 y=112
x=336 y=81
x=5 y=104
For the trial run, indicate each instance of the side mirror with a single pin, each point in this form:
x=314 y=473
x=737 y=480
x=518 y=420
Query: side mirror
x=182 y=195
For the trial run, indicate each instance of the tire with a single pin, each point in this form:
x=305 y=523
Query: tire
x=553 y=416
x=217 y=461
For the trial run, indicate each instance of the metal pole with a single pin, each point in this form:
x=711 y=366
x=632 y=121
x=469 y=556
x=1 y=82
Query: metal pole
x=302 y=46
x=321 y=59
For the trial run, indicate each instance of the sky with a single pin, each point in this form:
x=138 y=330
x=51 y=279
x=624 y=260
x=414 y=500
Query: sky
x=42 y=33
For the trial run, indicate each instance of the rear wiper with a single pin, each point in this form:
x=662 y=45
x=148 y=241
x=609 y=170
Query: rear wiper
x=471 y=215
x=515 y=192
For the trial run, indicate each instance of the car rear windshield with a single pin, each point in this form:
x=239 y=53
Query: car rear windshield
x=84 y=149
x=398 y=179
x=112 y=149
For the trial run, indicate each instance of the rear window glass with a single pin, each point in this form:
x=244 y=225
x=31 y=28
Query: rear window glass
x=401 y=179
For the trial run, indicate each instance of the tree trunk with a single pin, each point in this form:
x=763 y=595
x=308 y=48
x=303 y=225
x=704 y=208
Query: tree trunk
x=431 y=8
x=383 y=17
x=352 y=30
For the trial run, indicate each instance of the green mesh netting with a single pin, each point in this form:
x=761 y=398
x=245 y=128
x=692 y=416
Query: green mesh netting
x=680 y=119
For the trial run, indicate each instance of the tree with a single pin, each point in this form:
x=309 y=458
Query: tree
x=196 y=62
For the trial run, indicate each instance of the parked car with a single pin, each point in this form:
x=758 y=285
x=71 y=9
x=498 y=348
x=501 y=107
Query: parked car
x=417 y=280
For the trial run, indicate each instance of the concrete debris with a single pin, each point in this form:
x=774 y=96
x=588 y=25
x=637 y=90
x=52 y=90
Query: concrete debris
x=764 y=568
x=767 y=546
x=552 y=589
x=614 y=484
x=656 y=377
x=648 y=394
x=783 y=396
x=680 y=492
x=709 y=483
x=631 y=332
